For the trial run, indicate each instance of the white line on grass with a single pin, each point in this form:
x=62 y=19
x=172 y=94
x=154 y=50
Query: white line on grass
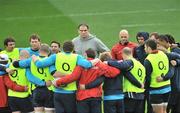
x=89 y=14
x=142 y=25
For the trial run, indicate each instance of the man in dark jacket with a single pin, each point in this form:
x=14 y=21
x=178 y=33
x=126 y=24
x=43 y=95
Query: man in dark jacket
x=140 y=53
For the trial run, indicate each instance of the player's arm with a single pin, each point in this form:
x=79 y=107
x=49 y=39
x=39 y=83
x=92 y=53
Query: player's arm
x=2 y=68
x=178 y=62
x=70 y=78
x=22 y=63
x=107 y=71
x=13 y=86
x=169 y=75
x=46 y=62
x=173 y=56
x=132 y=79
x=95 y=83
x=83 y=62
x=149 y=70
x=52 y=69
x=34 y=79
x=122 y=65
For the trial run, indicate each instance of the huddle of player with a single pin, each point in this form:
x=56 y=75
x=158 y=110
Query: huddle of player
x=129 y=79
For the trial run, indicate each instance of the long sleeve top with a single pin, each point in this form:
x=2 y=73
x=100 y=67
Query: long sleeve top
x=5 y=84
x=85 y=76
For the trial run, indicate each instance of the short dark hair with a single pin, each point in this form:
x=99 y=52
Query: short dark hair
x=145 y=35
x=34 y=36
x=151 y=43
x=170 y=39
x=56 y=43
x=83 y=24
x=163 y=38
x=90 y=53
x=8 y=39
x=68 y=46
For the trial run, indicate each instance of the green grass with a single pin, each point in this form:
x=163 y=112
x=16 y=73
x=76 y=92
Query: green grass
x=58 y=19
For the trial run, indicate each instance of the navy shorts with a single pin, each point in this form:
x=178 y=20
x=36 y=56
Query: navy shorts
x=42 y=97
x=133 y=105
x=91 y=105
x=20 y=104
x=5 y=110
x=159 y=98
x=114 y=106
x=65 y=103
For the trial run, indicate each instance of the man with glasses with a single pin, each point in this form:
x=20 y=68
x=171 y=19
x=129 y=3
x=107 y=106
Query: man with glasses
x=116 y=51
x=85 y=40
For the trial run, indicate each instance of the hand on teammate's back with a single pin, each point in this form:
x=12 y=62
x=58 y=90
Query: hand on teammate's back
x=142 y=86
x=54 y=82
x=48 y=83
x=10 y=71
x=159 y=79
x=26 y=88
x=173 y=62
x=58 y=74
x=34 y=58
x=95 y=61
x=82 y=86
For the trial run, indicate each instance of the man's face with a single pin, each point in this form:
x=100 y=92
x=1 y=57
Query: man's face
x=35 y=44
x=55 y=48
x=146 y=49
x=140 y=40
x=83 y=31
x=10 y=46
x=123 y=37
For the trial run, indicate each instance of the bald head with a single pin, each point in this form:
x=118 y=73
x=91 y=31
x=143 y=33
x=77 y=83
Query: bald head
x=124 y=31
x=126 y=53
x=123 y=36
x=24 y=54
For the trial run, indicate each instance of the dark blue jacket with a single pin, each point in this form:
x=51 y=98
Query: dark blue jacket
x=139 y=52
x=175 y=81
